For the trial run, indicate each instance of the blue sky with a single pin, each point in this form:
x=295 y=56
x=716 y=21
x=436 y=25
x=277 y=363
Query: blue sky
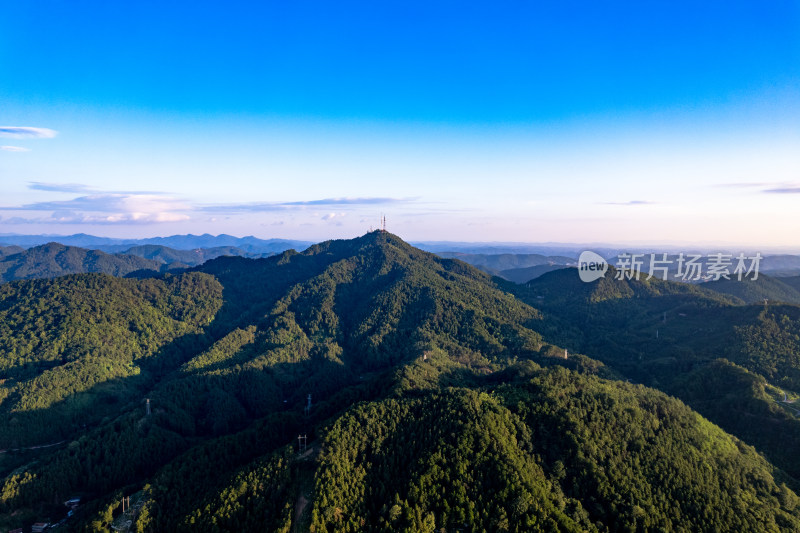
x=660 y=122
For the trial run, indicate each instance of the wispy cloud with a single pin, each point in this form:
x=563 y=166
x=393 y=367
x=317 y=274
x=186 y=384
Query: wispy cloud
x=354 y=201
x=784 y=190
x=25 y=132
x=765 y=187
x=108 y=203
x=14 y=149
x=68 y=217
x=631 y=202
x=59 y=187
x=109 y=209
x=80 y=188
x=92 y=206
x=263 y=207
x=741 y=185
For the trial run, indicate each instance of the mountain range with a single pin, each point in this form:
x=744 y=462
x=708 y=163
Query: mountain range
x=55 y=259
x=250 y=245
x=518 y=262
x=367 y=385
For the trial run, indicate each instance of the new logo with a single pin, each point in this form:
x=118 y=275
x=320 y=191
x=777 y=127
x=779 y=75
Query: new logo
x=591 y=266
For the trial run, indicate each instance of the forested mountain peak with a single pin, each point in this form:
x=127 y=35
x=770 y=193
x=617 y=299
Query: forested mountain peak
x=378 y=245
x=376 y=289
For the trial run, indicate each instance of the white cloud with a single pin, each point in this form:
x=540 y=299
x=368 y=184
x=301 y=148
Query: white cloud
x=631 y=202
x=112 y=202
x=88 y=205
x=25 y=132
x=14 y=149
x=70 y=217
x=110 y=209
x=260 y=207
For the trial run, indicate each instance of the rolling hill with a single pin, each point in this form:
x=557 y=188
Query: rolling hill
x=505 y=261
x=195 y=257
x=524 y=275
x=53 y=259
x=756 y=291
x=731 y=362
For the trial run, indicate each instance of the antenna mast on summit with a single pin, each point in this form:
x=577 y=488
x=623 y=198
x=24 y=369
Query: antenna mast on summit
x=383 y=223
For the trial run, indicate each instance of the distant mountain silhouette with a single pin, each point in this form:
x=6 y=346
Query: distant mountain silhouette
x=251 y=245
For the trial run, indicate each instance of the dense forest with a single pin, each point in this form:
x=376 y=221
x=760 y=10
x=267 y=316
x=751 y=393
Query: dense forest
x=731 y=362
x=755 y=291
x=432 y=397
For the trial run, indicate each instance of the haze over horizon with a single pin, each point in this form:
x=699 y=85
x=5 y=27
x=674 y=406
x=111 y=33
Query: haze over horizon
x=570 y=249
x=570 y=123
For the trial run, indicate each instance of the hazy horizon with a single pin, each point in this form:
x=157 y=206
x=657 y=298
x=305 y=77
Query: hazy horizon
x=442 y=245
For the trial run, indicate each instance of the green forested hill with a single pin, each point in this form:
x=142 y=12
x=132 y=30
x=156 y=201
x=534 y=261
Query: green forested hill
x=756 y=291
x=73 y=348
x=559 y=451
x=439 y=400
x=531 y=449
x=731 y=362
x=198 y=256
x=792 y=281
x=498 y=262
x=523 y=275
x=6 y=251
x=53 y=259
